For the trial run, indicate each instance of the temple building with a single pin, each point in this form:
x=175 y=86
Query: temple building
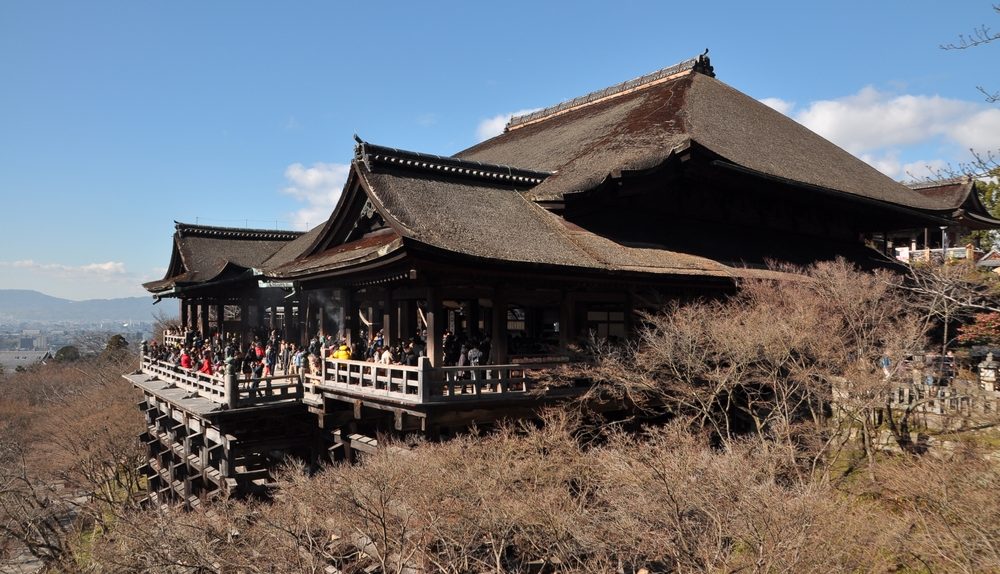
x=959 y=200
x=669 y=186
x=214 y=273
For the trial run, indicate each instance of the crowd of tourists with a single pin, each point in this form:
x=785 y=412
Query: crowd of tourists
x=275 y=356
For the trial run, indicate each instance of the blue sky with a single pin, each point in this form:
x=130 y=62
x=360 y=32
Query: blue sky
x=117 y=118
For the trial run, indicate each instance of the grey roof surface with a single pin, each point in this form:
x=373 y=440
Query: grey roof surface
x=499 y=223
x=639 y=129
x=347 y=254
x=201 y=253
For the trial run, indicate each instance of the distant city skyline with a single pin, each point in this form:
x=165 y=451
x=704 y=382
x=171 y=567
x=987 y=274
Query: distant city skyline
x=120 y=117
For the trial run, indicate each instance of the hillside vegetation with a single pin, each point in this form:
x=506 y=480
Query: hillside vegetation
x=734 y=457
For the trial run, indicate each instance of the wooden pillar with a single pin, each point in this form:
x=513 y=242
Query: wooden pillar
x=288 y=331
x=350 y=317
x=259 y=317
x=220 y=316
x=192 y=316
x=389 y=318
x=498 y=343
x=340 y=316
x=205 y=326
x=322 y=321
x=435 y=327
x=407 y=318
x=244 y=319
x=473 y=318
x=184 y=314
x=303 y=318
x=565 y=320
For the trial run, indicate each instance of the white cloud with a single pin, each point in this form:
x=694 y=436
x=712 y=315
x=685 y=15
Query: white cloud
x=492 y=127
x=780 y=105
x=980 y=131
x=91 y=269
x=87 y=281
x=872 y=119
x=318 y=187
x=883 y=128
x=922 y=169
x=887 y=163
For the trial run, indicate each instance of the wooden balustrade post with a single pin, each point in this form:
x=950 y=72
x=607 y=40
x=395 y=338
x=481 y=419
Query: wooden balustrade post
x=423 y=378
x=232 y=387
x=322 y=364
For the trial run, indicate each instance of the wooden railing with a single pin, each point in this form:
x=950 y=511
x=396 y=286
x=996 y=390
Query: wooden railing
x=424 y=384
x=172 y=339
x=371 y=379
x=235 y=392
x=928 y=254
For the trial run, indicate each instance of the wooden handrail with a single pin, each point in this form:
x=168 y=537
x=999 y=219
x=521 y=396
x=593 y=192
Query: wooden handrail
x=213 y=387
x=424 y=384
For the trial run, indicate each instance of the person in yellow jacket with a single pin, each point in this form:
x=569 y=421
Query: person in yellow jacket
x=342 y=353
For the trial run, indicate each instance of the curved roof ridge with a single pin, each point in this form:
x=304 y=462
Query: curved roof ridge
x=699 y=64
x=370 y=154
x=196 y=230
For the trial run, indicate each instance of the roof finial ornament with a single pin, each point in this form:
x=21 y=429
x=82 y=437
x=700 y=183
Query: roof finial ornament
x=704 y=65
x=360 y=153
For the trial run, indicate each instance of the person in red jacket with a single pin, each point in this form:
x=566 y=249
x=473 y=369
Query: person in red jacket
x=206 y=363
x=186 y=362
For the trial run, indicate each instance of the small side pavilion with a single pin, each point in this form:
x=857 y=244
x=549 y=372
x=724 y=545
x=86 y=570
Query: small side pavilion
x=214 y=273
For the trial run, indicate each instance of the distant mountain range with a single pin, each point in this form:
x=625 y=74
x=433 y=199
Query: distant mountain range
x=17 y=305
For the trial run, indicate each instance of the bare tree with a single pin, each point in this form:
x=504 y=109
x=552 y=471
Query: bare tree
x=949 y=292
x=979 y=36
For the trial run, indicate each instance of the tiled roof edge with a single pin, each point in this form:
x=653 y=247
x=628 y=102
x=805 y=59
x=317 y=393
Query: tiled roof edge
x=371 y=154
x=699 y=64
x=192 y=230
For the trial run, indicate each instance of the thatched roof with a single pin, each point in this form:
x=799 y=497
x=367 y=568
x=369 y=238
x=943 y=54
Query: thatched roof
x=639 y=127
x=959 y=199
x=340 y=257
x=203 y=254
x=480 y=211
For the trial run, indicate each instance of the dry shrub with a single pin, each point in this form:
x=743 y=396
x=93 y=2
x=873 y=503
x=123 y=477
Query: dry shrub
x=70 y=455
x=767 y=361
x=949 y=504
x=527 y=499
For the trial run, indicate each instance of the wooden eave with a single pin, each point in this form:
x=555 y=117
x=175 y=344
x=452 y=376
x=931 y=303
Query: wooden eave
x=335 y=229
